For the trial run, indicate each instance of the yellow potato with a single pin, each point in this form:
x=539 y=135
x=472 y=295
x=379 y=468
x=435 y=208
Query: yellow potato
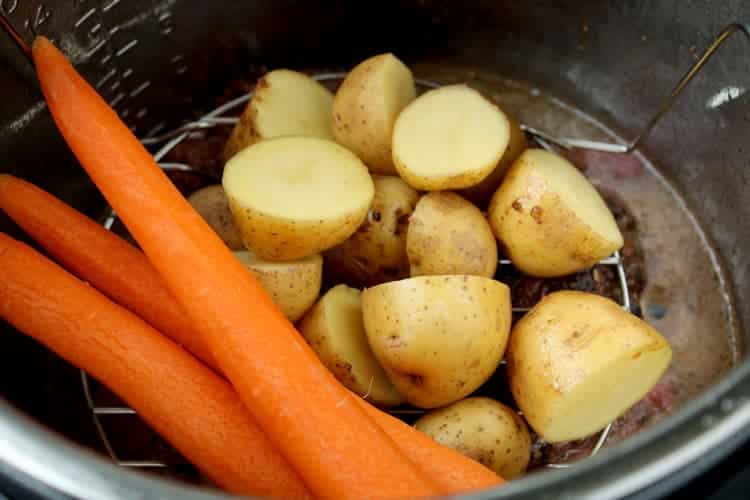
x=376 y=252
x=437 y=337
x=284 y=103
x=483 y=430
x=449 y=235
x=481 y=194
x=449 y=138
x=211 y=203
x=294 y=286
x=334 y=330
x=550 y=218
x=366 y=106
x=577 y=361
x=296 y=196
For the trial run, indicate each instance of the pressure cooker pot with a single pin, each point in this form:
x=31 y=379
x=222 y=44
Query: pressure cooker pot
x=647 y=99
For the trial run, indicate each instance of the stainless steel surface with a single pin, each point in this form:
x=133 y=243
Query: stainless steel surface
x=615 y=58
x=666 y=104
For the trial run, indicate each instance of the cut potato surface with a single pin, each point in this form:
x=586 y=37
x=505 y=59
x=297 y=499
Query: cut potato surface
x=550 y=218
x=449 y=235
x=481 y=194
x=438 y=337
x=294 y=286
x=449 y=138
x=484 y=430
x=284 y=103
x=577 y=361
x=296 y=196
x=366 y=106
x=334 y=330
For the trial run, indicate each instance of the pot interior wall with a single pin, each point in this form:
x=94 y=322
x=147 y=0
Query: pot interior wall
x=167 y=61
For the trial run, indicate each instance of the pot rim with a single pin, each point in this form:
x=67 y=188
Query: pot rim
x=666 y=455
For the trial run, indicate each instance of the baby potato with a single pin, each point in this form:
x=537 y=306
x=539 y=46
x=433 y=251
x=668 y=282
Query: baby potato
x=437 y=337
x=449 y=138
x=294 y=286
x=550 y=218
x=334 y=330
x=577 y=361
x=296 y=196
x=284 y=103
x=449 y=235
x=212 y=204
x=481 y=194
x=376 y=252
x=366 y=106
x=483 y=430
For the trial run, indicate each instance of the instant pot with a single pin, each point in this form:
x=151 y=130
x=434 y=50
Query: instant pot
x=605 y=66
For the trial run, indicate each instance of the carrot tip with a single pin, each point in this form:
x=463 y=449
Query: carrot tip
x=39 y=43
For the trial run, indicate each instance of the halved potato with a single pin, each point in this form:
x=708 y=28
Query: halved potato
x=334 y=330
x=294 y=286
x=296 y=196
x=284 y=103
x=376 y=252
x=366 y=106
x=449 y=138
x=481 y=194
x=577 y=361
x=449 y=235
x=550 y=218
x=437 y=337
x=484 y=430
x=212 y=204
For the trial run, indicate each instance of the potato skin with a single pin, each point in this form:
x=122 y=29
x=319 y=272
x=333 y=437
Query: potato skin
x=540 y=233
x=333 y=328
x=437 y=337
x=564 y=349
x=362 y=120
x=449 y=235
x=483 y=430
x=481 y=194
x=294 y=286
x=376 y=252
x=212 y=204
x=243 y=134
x=279 y=239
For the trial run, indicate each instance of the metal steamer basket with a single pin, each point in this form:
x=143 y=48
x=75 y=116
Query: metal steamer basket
x=598 y=82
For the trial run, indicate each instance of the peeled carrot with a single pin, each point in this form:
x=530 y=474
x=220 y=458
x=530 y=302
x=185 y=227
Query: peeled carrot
x=453 y=471
x=184 y=401
x=111 y=264
x=121 y=271
x=311 y=418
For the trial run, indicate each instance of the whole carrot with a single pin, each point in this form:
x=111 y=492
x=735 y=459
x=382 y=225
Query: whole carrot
x=312 y=419
x=121 y=271
x=187 y=403
x=111 y=264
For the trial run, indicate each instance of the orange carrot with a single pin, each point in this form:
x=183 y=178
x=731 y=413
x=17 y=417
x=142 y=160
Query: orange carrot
x=311 y=418
x=111 y=264
x=187 y=403
x=121 y=271
x=453 y=471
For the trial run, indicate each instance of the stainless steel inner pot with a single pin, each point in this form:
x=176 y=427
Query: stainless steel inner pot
x=160 y=62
